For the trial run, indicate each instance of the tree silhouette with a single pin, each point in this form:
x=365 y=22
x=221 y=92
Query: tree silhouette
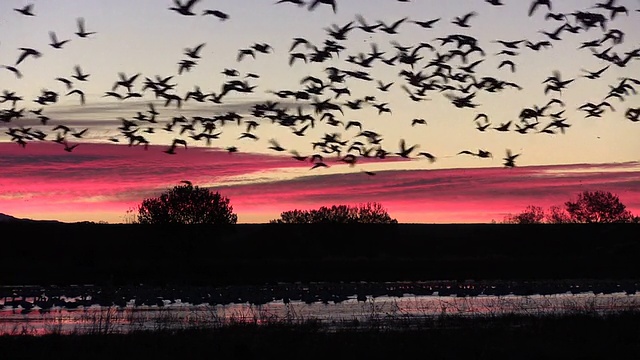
x=187 y=204
x=369 y=213
x=598 y=207
x=590 y=207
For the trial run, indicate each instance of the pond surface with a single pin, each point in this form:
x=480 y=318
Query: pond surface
x=33 y=310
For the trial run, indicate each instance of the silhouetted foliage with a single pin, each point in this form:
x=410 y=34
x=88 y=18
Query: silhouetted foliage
x=369 y=213
x=531 y=215
x=187 y=204
x=557 y=215
x=598 y=207
x=590 y=207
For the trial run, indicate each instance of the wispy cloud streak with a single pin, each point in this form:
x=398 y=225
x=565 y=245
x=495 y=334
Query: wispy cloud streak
x=100 y=182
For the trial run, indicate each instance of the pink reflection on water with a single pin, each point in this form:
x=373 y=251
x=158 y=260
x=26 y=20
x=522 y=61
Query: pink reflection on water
x=97 y=319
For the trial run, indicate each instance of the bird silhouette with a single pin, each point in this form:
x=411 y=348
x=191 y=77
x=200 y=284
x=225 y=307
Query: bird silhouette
x=415 y=122
x=319 y=164
x=184 y=9
x=404 y=151
x=27 y=52
x=364 y=26
x=391 y=29
x=481 y=153
x=69 y=148
x=557 y=17
x=79 y=134
x=536 y=3
x=595 y=74
x=428 y=156
x=428 y=24
x=275 y=145
x=539 y=45
x=503 y=127
x=297 y=2
x=332 y=3
x=81 y=29
x=54 y=41
x=463 y=21
x=195 y=52
x=27 y=10
x=244 y=52
x=509 y=159
x=509 y=63
x=14 y=70
x=217 y=13
x=80 y=93
x=78 y=74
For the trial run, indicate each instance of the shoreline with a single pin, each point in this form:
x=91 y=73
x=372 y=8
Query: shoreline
x=522 y=337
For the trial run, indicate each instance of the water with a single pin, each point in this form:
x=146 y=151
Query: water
x=80 y=311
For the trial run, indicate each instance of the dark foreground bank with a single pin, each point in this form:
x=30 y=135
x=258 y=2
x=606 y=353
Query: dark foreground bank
x=513 y=337
x=46 y=254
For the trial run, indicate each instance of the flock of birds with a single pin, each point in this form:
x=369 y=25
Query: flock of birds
x=447 y=66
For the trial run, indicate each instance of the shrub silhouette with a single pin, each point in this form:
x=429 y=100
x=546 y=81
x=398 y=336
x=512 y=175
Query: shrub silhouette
x=186 y=204
x=557 y=215
x=369 y=213
x=531 y=215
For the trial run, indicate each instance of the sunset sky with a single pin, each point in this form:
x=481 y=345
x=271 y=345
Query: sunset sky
x=100 y=180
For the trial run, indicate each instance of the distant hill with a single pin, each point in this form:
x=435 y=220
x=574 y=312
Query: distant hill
x=9 y=218
x=5 y=217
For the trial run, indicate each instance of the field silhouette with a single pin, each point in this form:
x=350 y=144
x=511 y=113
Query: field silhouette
x=254 y=254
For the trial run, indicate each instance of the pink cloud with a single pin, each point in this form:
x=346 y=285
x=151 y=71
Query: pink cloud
x=102 y=181
x=455 y=195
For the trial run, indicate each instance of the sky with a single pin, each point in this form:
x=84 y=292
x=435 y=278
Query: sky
x=100 y=180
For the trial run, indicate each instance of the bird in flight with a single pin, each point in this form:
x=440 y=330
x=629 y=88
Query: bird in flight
x=509 y=160
x=595 y=74
x=426 y=24
x=55 y=43
x=463 y=21
x=314 y=3
x=27 y=10
x=217 y=13
x=65 y=81
x=195 y=52
x=79 y=92
x=428 y=156
x=536 y=3
x=508 y=63
x=297 y=2
x=184 y=9
x=404 y=150
x=481 y=153
x=69 y=148
x=15 y=71
x=27 y=52
x=81 y=29
x=415 y=122
x=79 y=75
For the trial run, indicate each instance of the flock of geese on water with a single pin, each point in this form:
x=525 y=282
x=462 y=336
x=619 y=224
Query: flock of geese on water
x=447 y=66
x=46 y=299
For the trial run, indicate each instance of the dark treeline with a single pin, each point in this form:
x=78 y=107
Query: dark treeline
x=119 y=254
